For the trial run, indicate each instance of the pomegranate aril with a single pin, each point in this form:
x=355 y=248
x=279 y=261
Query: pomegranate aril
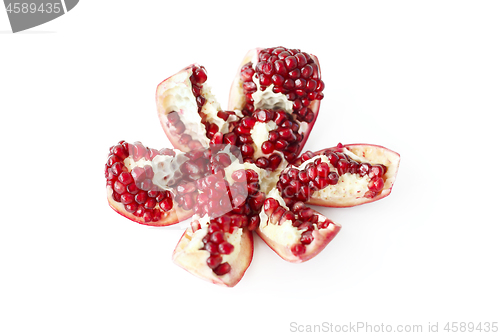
x=226 y=248
x=132 y=189
x=217 y=237
x=119 y=187
x=212 y=247
x=214 y=261
x=376 y=184
x=298 y=249
x=150 y=203
x=306 y=238
x=262 y=163
x=141 y=197
x=273 y=136
x=166 y=204
x=332 y=178
x=199 y=75
x=270 y=205
x=274 y=161
x=267 y=147
x=131 y=208
x=342 y=166
x=222 y=269
x=126 y=198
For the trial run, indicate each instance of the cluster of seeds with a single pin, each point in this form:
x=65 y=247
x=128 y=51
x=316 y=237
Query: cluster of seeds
x=301 y=216
x=291 y=72
x=345 y=164
x=299 y=185
x=134 y=188
x=215 y=243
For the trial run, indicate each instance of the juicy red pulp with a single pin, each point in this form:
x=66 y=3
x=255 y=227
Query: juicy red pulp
x=301 y=216
x=216 y=244
x=134 y=188
x=291 y=72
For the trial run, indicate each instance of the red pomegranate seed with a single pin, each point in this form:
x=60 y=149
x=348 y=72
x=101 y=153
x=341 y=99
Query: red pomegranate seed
x=270 y=205
x=247 y=150
x=254 y=222
x=222 y=269
x=267 y=147
x=239 y=175
x=166 y=204
x=376 y=185
x=332 y=178
x=199 y=75
x=262 y=163
x=342 y=166
x=150 y=203
x=252 y=175
x=131 y=208
x=226 y=248
x=306 y=238
x=273 y=136
x=323 y=169
x=212 y=247
x=126 y=198
x=119 y=187
x=217 y=237
x=214 y=261
x=274 y=161
x=280 y=144
x=298 y=249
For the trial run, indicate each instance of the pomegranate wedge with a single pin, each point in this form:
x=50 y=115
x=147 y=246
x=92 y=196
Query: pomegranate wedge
x=347 y=175
x=215 y=250
x=140 y=182
x=286 y=82
x=296 y=233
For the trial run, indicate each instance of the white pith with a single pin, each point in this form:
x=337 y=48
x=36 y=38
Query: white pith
x=349 y=185
x=190 y=255
x=165 y=168
x=285 y=234
x=269 y=100
x=260 y=134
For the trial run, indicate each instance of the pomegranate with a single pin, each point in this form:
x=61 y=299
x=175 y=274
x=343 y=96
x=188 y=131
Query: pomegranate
x=239 y=170
x=269 y=122
x=345 y=175
x=215 y=250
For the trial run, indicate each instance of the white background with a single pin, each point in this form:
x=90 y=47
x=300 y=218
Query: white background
x=421 y=78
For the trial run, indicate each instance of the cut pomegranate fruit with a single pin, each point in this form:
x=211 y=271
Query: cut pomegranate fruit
x=215 y=250
x=140 y=182
x=240 y=169
x=270 y=123
x=342 y=176
x=286 y=82
x=296 y=233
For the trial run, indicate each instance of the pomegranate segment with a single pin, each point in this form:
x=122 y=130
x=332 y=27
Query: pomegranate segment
x=190 y=115
x=361 y=173
x=284 y=80
x=215 y=250
x=296 y=233
x=138 y=183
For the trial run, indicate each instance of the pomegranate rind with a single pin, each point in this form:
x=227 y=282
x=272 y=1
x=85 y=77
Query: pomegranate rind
x=321 y=237
x=174 y=216
x=237 y=97
x=195 y=262
x=373 y=154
